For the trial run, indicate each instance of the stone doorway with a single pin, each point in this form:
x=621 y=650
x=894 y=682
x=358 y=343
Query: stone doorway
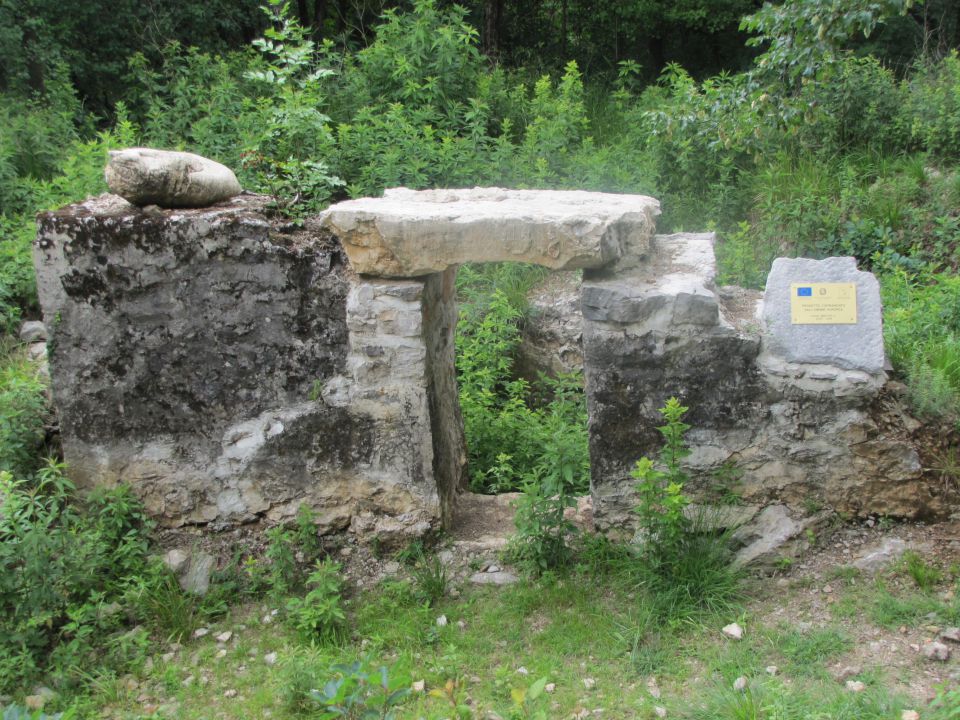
x=409 y=244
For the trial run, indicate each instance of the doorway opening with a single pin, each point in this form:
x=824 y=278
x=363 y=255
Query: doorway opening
x=524 y=411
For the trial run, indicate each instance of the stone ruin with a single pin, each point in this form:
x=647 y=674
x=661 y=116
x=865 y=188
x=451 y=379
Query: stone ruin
x=231 y=366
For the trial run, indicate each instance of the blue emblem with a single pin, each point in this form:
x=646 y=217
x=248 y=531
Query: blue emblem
x=805 y=292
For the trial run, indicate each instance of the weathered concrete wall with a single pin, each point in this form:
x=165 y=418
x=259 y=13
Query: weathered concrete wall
x=231 y=368
x=655 y=333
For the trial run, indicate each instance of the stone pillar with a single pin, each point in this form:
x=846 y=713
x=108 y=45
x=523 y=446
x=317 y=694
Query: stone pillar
x=400 y=377
x=651 y=333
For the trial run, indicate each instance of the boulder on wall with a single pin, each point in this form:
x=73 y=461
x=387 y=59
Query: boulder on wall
x=144 y=176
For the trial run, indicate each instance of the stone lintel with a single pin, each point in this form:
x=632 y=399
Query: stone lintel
x=409 y=233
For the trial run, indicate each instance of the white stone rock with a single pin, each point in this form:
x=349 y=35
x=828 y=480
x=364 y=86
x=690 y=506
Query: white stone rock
x=936 y=650
x=855 y=686
x=409 y=233
x=419 y=686
x=857 y=346
x=177 y=560
x=225 y=636
x=201 y=632
x=33 y=331
x=674 y=291
x=740 y=684
x=498 y=578
x=950 y=634
x=589 y=683
x=170 y=179
x=733 y=631
x=660 y=712
x=766 y=533
x=270 y=658
x=196 y=579
x=877 y=557
x=442 y=621
x=550 y=688
x=772 y=669
x=909 y=715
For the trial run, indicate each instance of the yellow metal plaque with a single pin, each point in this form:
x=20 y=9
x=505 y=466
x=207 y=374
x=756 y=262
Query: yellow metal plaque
x=823 y=303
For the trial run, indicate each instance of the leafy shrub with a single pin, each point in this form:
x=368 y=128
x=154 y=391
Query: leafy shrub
x=540 y=542
x=356 y=691
x=557 y=128
x=424 y=58
x=685 y=565
x=509 y=442
x=921 y=331
x=858 y=106
x=62 y=566
x=23 y=409
x=319 y=616
x=932 y=108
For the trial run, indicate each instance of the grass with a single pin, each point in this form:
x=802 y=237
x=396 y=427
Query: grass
x=498 y=642
x=806 y=653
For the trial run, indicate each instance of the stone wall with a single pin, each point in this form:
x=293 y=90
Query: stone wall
x=796 y=417
x=231 y=367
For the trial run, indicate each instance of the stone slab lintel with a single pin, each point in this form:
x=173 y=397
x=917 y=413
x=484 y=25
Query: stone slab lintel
x=409 y=233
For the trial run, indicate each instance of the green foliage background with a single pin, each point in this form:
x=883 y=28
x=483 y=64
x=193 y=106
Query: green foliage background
x=837 y=132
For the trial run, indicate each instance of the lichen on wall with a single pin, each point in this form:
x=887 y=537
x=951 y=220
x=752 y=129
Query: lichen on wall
x=189 y=353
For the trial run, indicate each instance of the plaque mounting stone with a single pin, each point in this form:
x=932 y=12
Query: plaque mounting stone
x=824 y=312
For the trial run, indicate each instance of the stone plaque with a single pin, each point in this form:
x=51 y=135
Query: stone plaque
x=823 y=303
x=841 y=327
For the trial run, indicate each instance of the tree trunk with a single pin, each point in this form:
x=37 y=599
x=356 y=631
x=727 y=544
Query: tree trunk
x=563 y=32
x=303 y=13
x=492 y=15
x=35 y=68
x=319 y=16
x=342 y=16
x=656 y=50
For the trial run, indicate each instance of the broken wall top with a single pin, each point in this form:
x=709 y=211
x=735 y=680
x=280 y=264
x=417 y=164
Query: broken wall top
x=408 y=233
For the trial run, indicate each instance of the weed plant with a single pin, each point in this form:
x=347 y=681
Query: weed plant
x=430 y=578
x=319 y=615
x=685 y=566
x=358 y=692
x=63 y=567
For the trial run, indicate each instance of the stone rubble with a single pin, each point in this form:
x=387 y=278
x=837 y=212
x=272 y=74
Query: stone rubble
x=733 y=631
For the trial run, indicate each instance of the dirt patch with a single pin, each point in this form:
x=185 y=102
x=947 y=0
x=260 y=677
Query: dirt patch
x=479 y=516
x=820 y=592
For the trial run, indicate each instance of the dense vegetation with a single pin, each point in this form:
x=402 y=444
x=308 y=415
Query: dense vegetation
x=835 y=130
